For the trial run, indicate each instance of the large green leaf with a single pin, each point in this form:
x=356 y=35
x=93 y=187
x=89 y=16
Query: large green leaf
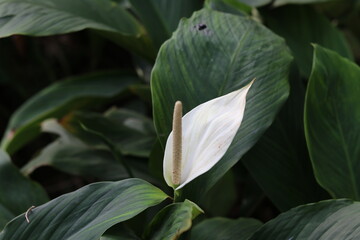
x=331 y=219
x=50 y=17
x=17 y=193
x=332 y=123
x=225 y=229
x=172 y=221
x=280 y=161
x=311 y=27
x=212 y=54
x=59 y=99
x=161 y=17
x=86 y=213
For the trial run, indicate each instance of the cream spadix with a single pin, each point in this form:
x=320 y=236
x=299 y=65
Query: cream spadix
x=207 y=132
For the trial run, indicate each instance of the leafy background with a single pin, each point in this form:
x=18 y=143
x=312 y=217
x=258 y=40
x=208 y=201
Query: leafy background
x=87 y=89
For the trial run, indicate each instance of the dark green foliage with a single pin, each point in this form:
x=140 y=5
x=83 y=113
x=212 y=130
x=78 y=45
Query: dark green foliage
x=87 y=91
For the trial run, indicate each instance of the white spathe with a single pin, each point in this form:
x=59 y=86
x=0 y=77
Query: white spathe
x=208 y=131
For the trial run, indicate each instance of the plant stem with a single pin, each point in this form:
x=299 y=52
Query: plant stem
x=177 y=195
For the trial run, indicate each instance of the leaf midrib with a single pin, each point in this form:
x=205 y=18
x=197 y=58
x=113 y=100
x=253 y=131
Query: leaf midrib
x=235 y=53
x=346 y=152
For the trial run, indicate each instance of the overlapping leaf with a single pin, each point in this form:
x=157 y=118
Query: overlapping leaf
x=71 y=155
x=59 y=99
x=50 y=17
x=311 y=27
x=17 y=193
x=332 y=123
x=161 y=17
x=332 y=219
x=131 y=133
x=172 y=221
x=86 y=213
x=283 y=156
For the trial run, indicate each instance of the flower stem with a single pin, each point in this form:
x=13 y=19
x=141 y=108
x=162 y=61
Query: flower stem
x=177 y=195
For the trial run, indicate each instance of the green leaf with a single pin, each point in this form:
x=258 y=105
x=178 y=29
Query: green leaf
x=69 y=154
x=172 y=221
x=161 y=17
x=254 y=3
x=50 y=17
x=86 y=213
x=283 y=2
x=312 y=27
x=198 y=64
x=115 y=237
x=59 y=99
x=280 y=161
x=130 y=132
x=332 y=123
x=17 y=193
x=229 y=6
x=331 y=219
x=225 y=229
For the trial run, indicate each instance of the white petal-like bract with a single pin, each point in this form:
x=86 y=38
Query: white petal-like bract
x=208 y=131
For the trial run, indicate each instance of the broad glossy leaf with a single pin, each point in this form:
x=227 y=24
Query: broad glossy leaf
x=59 y=99
x=17 y=193
x=50 y=17
x=332 y=123
x=331 y=219
x=225 y=229
x=311 y=27
x=280 y=161
x=161 y=17
x=172 y=221
x=210 y=55
x=86 y=213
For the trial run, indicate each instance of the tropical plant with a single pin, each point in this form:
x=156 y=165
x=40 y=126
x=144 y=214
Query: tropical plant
x=95 y=145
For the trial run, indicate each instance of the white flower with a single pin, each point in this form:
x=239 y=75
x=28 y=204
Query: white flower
x=207 y=132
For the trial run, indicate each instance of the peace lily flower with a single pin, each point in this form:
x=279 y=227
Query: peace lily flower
x=200 y=139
